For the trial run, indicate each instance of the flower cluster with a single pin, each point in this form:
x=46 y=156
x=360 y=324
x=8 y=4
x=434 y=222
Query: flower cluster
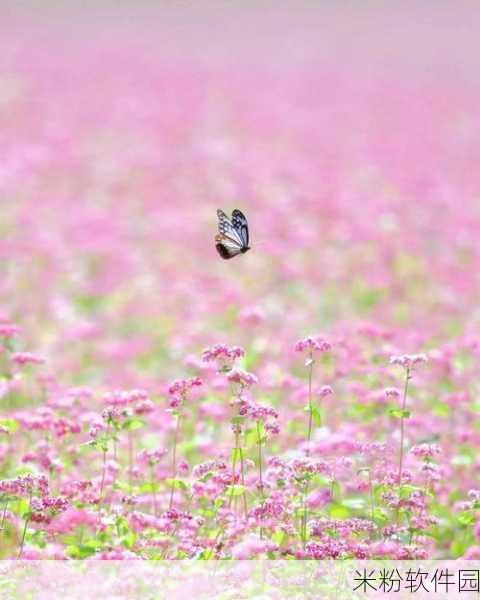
x=223 y=355
x=241 y=377
x=26 y=358
x=313 y=344
x=409 y=361
x=180 y=388
x=25 y=485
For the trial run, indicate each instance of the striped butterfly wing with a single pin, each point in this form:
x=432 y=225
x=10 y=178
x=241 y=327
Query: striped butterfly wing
x=240 y=224
x=225 y=247
x=228 y=242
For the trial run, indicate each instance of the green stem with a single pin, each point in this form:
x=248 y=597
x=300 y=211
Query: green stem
x=260 y=468
x=154 y=493
x=372 y=498
x=104 y=468
x=130 y=462
x=25 y=527
x=242 y=468
x=402 y=429
x=310 y=412
x=234 y=467
x=4 y=514
x=304 y=520
x=402 y=436
x=260 y=460
x=174 y=460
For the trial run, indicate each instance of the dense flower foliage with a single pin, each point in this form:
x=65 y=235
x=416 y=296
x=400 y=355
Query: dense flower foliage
x=315 y=398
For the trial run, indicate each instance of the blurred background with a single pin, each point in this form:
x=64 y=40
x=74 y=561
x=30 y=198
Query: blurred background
x=346 y=132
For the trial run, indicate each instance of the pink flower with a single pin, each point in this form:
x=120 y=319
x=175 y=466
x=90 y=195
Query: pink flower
x=313 y=344
x=224 y=356
x=325 y=391
x=252 y=315
x=180 y=387
x=473 y=553
x=151 y=457
x=26 y=358
x=251 y=547
x=392 y=393
x=25 y=485
x=179 y=390
x=72 y=518
x=182 y=467
x=241 y=377
x=8 y=330
x=408 y=361
x=319 y=498
x=221 y=351
x=144 y=408
x=125 y=397
x=425 y=450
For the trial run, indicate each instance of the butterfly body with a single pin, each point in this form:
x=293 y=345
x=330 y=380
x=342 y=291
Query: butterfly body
x=233 y=234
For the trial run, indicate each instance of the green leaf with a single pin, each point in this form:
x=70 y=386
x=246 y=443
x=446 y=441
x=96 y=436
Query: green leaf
x=10 y=425
x=132 y=424
x=441 y=410
x=279 y=537
x=177 y=484
x=83 y=550
x=397 y=413
x=124 y=486
x=317 y=416
x=379 y=516
x=466 y=519
x=338 y=511
x=235 y=490
x=251 y=437
x=458 y=547
x=129 y=540
x=148 y=487
x=238 y=420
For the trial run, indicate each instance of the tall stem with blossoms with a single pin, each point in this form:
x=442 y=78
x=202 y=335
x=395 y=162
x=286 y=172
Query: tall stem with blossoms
x=309 y=363
x=241 y=380
x=310 y=345
x=178 y=391
x=225 y=358
x=27 y=520
x=150 y=458
x=402 y=426
x=408 y=362
x=260 y=459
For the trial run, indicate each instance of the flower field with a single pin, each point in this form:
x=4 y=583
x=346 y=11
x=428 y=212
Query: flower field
x=317 y=397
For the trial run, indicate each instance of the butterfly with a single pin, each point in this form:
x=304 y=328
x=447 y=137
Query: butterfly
x=232 y=238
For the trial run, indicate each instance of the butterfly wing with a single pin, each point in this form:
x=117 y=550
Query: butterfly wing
x=226 y=229
x=232 y=238
x=226 y=247
x=240 y=225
